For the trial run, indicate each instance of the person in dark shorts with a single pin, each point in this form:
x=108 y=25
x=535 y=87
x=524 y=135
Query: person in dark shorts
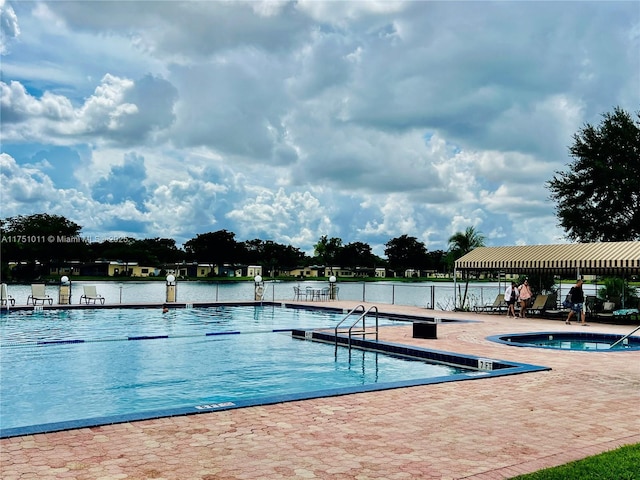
x=577 y=303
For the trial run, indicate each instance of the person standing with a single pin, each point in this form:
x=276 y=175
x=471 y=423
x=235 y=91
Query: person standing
x=577 y=301
x=511 y=297
x=525 y=296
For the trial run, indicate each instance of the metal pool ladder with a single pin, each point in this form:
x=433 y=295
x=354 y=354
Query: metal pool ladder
x=355 y=328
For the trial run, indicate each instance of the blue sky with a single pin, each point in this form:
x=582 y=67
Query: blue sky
x=287 y=121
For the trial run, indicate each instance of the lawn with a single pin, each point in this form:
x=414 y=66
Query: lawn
x=620 y=464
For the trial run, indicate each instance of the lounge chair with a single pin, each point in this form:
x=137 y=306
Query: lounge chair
x=496 y=307
x=539 y=305
x=593 y=305
x=554 y=309
x=91 y=295
x=607 y=310
x=38 y=294
x=5 y=298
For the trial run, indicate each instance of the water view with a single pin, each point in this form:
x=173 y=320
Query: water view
x=437 y=295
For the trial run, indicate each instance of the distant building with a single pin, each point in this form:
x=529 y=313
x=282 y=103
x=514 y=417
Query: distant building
x=311 y=271
x=252 y=271
x=69 y=269
x=339 y=272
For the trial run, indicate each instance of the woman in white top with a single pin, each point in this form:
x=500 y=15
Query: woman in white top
x=511 y=297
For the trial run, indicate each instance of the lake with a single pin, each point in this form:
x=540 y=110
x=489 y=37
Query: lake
x=438 y=295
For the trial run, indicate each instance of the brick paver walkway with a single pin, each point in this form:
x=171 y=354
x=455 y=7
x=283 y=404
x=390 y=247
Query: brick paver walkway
x=480 y=429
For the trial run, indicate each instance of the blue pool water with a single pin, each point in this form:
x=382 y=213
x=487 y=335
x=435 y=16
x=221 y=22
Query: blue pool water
x=569 y=341
x=98 y=324
x=64 y=369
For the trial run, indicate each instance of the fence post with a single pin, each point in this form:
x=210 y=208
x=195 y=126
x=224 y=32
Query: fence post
x=170 y=288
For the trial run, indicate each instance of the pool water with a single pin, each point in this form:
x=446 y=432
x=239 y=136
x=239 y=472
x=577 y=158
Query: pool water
x=574 y=344
x=97 y=324
x=569 y=341
x=72 y=365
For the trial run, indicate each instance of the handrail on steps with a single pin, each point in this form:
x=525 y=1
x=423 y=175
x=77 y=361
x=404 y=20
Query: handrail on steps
x=362 y=317
x=625 y=337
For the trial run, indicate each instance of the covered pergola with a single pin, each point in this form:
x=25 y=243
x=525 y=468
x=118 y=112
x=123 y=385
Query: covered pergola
x=615 y=259
x=606 y=258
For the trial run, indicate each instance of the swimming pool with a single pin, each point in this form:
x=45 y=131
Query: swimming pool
x=583 y=341
x=76 y=368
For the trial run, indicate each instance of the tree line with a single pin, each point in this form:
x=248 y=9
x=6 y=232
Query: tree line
x=40 y=241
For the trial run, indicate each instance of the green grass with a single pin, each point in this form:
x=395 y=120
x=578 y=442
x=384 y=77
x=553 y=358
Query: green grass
x=620 y=464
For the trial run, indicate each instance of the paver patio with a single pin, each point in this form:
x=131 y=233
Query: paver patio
x=492 y=428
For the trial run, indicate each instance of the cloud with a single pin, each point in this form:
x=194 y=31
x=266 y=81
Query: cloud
x=123 y=182
x=119 y=111
x=9 y=28
x=291 y=120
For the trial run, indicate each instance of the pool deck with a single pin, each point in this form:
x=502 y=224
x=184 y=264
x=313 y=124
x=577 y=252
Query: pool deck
x=494 y=428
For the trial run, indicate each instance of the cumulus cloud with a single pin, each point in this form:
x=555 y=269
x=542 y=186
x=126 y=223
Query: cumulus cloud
x=119 y=111
x=9 y=28
x=272 y=213
x=123 y=183
x=290 y=120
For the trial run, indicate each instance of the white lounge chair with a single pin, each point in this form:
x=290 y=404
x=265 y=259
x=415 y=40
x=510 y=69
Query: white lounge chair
x=38 y=294
x=91 y=295
x=5 y=298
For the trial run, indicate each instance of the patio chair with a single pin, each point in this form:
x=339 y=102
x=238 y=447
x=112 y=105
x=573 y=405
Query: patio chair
x=539 y=304
x=497 y=305
x=554 y=309
x=324 y=293
x=593 y=305
x=311 y=293
x=607 y=310
x=5 y=298
x=299 y=294
x=91 y=295
x=38 y=294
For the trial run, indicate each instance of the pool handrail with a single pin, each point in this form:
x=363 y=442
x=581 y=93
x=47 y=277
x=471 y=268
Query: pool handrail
x=362 y=317
x=625 y=337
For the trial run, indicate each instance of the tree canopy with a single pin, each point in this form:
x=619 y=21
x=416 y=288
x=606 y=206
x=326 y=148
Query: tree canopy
x=36 y=242
x=39 y=239
x=461 y=243
x=406 y=252
x=598 y=199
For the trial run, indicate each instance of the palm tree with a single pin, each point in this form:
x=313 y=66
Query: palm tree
x=459 y=245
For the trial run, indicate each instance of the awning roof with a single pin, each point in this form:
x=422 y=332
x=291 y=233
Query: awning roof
x=606 y=258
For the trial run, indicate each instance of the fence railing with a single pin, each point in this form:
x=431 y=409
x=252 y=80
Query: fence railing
x=433 y=295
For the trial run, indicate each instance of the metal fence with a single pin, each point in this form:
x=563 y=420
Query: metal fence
x=434 y=295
